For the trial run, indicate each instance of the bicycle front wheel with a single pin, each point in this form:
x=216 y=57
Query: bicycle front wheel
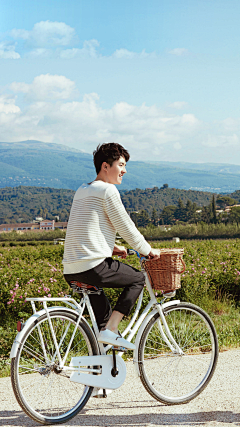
x=44 y=392
x=174 y=378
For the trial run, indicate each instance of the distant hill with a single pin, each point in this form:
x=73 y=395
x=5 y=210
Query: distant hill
x=158 y=198
x=23 y=204
x=235 y=195
x=35 y=163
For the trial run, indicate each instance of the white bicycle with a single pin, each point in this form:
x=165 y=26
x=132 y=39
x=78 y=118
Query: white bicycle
x=57 y=360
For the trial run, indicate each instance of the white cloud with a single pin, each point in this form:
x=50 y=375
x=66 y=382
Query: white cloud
x=177 y=146
x=88 y=50
x=70 y=53
x=7 y=51
x=47 y=33
x=127 y=54
x=214 y=141
x=7 y=105
x=84 y=124
x=20 y=34
x=147 y=131
x=123 y=53
x=40 y=51
x=52 y=38
x=50 y=114
x=178 y=105
x=230 y=124
x=46 y=87
x=179 y=51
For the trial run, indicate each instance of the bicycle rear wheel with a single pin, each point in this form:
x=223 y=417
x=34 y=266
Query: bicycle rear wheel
x=44 y=392
x=170 y=377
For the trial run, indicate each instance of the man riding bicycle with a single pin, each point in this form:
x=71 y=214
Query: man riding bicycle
x=97 y=213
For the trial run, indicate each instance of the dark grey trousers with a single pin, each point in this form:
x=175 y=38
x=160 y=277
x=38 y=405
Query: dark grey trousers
x=111 y=273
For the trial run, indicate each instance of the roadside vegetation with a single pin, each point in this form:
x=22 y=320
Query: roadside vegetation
x=192 y=231
x=211 y=280
x=12 y=238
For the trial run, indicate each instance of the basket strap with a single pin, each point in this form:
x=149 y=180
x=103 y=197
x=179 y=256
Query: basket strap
x=184 y=266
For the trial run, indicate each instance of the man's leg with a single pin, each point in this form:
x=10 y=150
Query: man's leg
x=111 y=274
x=100 y=304
x=101 y=308
x=115 y=274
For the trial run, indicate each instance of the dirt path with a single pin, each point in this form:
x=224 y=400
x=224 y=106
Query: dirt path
x=131 y=406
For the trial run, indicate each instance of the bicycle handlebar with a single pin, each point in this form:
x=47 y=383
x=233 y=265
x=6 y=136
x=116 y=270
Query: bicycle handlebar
x=132 y=252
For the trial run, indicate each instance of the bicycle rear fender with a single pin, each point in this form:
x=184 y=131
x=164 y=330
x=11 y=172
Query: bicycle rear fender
x=33 y=319
x=142 y=327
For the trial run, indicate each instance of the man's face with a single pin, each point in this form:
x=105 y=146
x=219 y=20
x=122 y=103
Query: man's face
x=116 y=171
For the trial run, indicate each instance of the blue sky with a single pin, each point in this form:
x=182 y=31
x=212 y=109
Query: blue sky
x=160 y=77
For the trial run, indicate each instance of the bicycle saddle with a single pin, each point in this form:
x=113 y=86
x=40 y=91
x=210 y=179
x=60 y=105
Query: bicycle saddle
x=80 y=287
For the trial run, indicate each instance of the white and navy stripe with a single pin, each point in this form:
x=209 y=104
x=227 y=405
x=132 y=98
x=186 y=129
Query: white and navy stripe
x=97 y=213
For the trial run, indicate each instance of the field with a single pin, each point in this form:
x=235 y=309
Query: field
x=211 y=280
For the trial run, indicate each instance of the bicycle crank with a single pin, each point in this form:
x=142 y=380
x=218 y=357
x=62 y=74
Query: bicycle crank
x=104 y=373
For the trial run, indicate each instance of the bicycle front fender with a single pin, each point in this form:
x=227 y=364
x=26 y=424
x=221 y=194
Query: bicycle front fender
x=143 y=326
x=33 y=320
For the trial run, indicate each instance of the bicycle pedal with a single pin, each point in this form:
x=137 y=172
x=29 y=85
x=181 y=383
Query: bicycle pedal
x=100 y=393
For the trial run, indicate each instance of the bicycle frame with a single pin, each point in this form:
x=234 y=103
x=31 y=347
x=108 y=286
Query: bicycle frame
x=133 y=327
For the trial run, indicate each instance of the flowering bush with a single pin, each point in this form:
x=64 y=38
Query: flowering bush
x=212 y=270
x=212 y=275
x=29 y=272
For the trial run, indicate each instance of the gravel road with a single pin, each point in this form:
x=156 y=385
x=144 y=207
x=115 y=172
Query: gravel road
x=131 y=406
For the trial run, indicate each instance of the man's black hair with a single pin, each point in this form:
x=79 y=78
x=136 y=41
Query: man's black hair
x=108 y=152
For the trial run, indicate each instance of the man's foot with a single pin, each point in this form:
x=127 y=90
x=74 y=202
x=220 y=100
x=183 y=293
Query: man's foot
x=109 y=337
x=100 y=393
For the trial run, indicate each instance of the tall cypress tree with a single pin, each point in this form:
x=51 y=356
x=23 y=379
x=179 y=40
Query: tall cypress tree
x=214 y=213
x=154 y=218
x=180 y=212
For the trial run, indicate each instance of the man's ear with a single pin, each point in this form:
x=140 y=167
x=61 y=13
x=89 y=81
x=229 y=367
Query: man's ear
x=105 y=166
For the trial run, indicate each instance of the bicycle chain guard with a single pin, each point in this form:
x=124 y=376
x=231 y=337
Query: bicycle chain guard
x=103 y=380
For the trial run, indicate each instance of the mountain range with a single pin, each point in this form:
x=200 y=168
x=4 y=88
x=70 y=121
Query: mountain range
x=35 y=163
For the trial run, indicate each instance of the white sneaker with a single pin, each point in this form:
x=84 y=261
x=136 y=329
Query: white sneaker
x=99 y=393
x=109 y=337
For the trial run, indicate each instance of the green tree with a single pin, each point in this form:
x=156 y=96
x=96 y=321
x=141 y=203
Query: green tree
x=134 y=217
x=206 y=215
x=223 y=201
x=214 y=214
x=190 y=211
x=167 y=215
x=180 y=213
x=154 y=217
x=143 y=218
x=234 y=215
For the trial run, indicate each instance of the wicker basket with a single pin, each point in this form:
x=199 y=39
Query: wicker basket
x=164 y=273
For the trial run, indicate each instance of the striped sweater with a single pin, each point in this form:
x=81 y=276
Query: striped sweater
x=97 y=213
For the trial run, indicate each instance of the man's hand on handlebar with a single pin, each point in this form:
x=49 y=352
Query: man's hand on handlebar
x=154 y=254
x=122 y=252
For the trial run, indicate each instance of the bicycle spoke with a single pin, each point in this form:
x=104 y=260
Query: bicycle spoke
x=174 y=377
x=46 y=389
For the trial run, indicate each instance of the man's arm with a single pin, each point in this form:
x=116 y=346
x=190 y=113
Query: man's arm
x=122 y=252
x=122 y=222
